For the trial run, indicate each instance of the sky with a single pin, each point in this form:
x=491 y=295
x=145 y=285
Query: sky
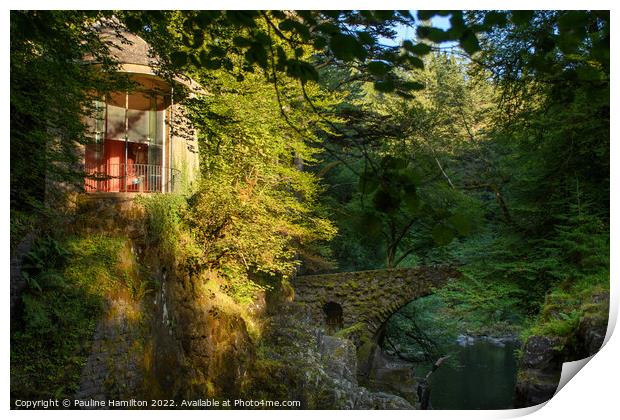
x=406 y=32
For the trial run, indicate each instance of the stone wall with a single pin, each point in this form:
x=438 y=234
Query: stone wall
x=115 y=366
x=119 y=361
x=171 y=343
x=368 y=297
x=109 y=212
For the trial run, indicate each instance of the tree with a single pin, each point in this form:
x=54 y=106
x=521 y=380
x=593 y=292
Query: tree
x=400 y=152
x=51 y=93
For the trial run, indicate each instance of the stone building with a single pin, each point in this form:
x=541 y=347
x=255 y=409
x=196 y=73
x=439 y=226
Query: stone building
x=141 y=142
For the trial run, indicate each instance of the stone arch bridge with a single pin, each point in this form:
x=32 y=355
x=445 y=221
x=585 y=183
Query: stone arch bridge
x=366 y=298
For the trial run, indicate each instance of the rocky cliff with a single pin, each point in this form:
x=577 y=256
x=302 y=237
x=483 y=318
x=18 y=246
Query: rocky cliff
x=186 y=338
x=543 y=355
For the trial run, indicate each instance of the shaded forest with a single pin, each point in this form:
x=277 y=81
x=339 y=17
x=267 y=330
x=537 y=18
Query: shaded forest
x=327 y=144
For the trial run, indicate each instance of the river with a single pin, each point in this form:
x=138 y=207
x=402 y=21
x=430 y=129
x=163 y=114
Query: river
x=482 y=375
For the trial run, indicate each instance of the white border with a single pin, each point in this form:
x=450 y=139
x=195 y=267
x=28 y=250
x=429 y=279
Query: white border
x=591 y=395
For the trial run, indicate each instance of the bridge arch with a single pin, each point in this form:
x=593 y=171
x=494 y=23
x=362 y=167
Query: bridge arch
x=366 y=299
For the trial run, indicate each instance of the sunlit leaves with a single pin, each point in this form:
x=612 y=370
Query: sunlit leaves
x=351 y=37
x=293 y=36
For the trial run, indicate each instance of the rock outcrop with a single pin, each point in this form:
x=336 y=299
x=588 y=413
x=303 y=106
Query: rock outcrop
x=340 y=358
x=300 y=362
x=541 y=363
x=539 y=371
x=186 y=339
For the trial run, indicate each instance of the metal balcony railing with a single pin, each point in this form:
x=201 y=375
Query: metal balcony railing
x=130 y=177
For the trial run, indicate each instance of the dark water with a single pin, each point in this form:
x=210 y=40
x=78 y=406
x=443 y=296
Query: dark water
x=483 y=377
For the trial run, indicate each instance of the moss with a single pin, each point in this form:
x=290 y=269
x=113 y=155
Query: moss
x=353 y=329
x=352 y=284
x=211 y=295
x=51 y=339
x=564 y=309
x=365 y=349
x=529 y=377
x=562 y=326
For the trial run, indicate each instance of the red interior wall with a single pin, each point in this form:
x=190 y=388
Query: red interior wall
x=114 y=157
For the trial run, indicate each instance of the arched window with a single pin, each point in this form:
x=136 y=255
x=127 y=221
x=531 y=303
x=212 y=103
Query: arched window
x=333 y=316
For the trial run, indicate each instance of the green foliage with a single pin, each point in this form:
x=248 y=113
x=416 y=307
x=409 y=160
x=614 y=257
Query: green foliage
x=419 y=332
x=51 y=93
x=529 y=177
x=40 y=265
x=269 y=40
x=499 y=163
x=360 y=327
x=255 y=212
x=480 y=306
x=405 y=198
x=164 y=221
x=68 y=282
x=566 y=306
x=579 y=262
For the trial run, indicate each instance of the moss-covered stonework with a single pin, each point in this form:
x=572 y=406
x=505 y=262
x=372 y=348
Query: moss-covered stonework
x=109 y=213
x=368 y=297
x=174 y=332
